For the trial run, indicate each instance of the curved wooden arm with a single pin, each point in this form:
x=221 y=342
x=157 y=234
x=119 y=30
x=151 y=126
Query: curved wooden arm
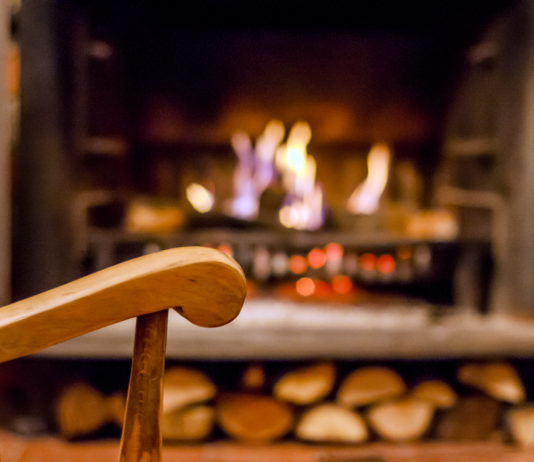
x=204 y=285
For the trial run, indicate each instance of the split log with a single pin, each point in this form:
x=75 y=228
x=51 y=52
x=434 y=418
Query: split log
x=437 y=392
x=498 y=380
x=183 y=386
x=401 y=420
x=473 y=418
x=82 y=410
x=521 y=425
x=306 y=385
x=192 y=423
x=253 y=418
x=368 y=385
x=332 y=423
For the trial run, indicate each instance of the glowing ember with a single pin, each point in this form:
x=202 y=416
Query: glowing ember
x=367 y=262
x=199 y=197
x=305 y=287
x=366 y=197
x=316 y=258
x=385 y=264
x=298 y=264
x=342 y=284
x=334 y=251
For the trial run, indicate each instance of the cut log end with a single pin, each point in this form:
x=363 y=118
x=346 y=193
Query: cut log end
x=193 y=423
x=253 y=418
x=402 y=420
x=306 y=385
x=521 y=425
x=183 y=386
x=498 y=380
x=81 y=410
x=368 y=385
x=332 y=423
x=438 y=393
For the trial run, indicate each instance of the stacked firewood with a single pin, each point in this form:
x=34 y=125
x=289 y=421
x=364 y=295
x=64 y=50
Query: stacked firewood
x=313 y=404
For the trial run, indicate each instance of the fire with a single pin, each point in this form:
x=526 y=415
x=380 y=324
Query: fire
x=255 y=170
x=303 y=205
x=199 y=197
x=366 y=197
x=259 y=166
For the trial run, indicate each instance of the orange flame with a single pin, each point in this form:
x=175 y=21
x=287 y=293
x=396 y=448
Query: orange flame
x=366 y=197
x=303 y=208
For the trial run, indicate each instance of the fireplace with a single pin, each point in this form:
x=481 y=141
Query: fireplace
x=298 y=135
x=368 y=165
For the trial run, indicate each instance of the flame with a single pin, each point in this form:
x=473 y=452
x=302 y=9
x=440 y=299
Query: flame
x=366 y=197
x=303 y=206
x=199 y=197
x=259 y=165
x=303 y=213
x=254 y=171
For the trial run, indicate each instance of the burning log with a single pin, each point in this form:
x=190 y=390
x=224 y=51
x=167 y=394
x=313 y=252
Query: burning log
x=521 y=425
x=192 y=423
x=332 y=423
x=498 y=380
x=473 y=418
x=150 y=216
x=368 y=385
x=82 y=410
x=438 y=393
x=406 y=419
x=253 y=418
x=306 y=385
x=183 y=386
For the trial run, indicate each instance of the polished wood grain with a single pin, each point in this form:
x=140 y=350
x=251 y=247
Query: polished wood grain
x=206 y=286
x=141 y=436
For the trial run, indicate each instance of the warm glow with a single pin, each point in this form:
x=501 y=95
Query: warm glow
x=342 y=284
x=366 y=197
x=259 y=165
x=293 y=155
x=298 y=264
x=385 y=264
x=305 y=287
x=303 y=206
x=367 y=262
x=334 y=251
x=303 y=213
x=255 y=169
x=316 y=258
x=199 y=197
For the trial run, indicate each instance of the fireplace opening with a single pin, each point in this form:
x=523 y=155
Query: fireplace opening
x=306 y=141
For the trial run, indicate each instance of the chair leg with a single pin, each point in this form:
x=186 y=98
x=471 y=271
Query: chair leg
x=141 y=435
